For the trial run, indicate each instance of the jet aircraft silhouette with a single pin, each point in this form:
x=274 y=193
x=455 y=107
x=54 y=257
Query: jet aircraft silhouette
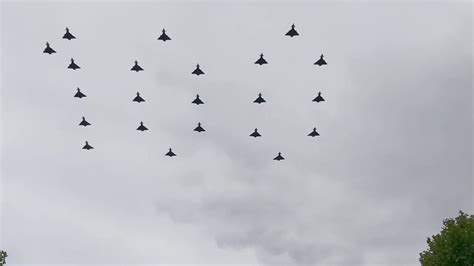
x=259 y=99
x=136 y=67
x=261 y=60
x=79 y=94
x=73 y=65
x=84 y=122
x=292 y=32
x=170 y=153
x=279 y=157
x=163 y=36
x=142 y=127
x=199 y=128
x=68 y=35
x=197 y=71
x=138 y=98
x=197 y=100
x=87 y=146
x=321 y=61
x=318 y=98
x=48 y=49
x=255 y=134
x=313 y=133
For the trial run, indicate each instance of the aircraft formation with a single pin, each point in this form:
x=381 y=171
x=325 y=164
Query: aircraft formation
x=197 y=71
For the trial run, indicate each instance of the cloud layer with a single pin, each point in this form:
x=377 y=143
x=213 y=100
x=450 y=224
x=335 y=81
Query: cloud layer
x=394 y=157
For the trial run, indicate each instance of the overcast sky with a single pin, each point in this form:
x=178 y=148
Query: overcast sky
x=393 y=160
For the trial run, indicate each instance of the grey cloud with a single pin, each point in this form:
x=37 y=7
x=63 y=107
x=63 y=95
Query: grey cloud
x=394 y=157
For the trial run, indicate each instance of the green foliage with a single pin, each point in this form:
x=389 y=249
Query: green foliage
x=3 y=256
x=453 y=246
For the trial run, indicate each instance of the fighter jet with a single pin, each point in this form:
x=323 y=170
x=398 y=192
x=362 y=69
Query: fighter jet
x=73 y=65
x=197 y=71
x=197 y=100
x=163 y=36
x=292 y=32
x=142 y=127
x=259 y=99
x=68 y=35
x=136 y=67
x=321 y=61
x=255 y=134
x=261 y=61
x=84 y=122
x=170 y=153
x=318 y=98
x=48 y=50
x=87 y=146
x=79 y=94
x=138 y=98
x=313 y=133
x=279 y=157
x=199 y=128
